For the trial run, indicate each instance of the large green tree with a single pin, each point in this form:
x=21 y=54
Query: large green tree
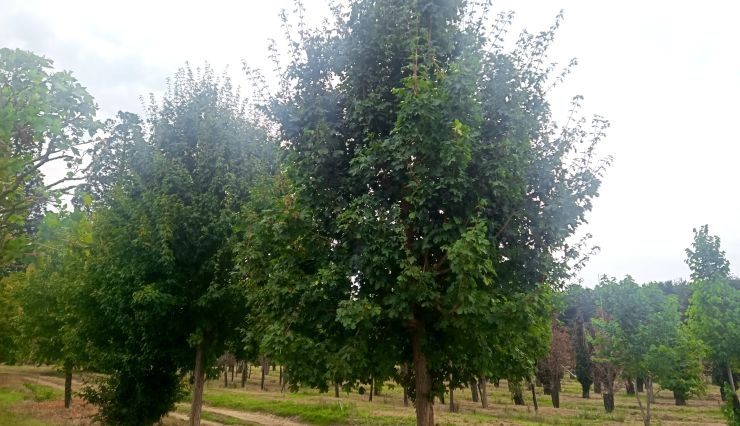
x=161 y=273
x=46 y=118
x=425 y=161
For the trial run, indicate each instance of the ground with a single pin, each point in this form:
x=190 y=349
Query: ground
x=32 y=396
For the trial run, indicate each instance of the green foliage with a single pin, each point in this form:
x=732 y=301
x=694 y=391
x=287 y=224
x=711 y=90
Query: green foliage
x=160 y=277
x=714 y=317
x=705 y=258
x=429 y=193
x=678 y=365
x=729 y=409
x=53 y=283
x=46 y=117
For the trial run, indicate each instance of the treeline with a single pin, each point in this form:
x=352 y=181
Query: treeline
x=401 y=208
x=671 y=333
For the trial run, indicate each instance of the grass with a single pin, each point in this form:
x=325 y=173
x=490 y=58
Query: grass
x=318 y=414
x=10 y=399
x=43 y=393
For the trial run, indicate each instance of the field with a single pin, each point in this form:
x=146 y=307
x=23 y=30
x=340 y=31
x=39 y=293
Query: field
x=32 y=396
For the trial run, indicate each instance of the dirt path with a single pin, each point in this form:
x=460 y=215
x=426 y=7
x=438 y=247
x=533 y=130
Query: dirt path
x=258 y=418
x=185 y=418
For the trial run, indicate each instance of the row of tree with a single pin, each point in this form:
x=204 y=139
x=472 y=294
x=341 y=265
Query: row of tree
x=669 y=333
x=401 y=208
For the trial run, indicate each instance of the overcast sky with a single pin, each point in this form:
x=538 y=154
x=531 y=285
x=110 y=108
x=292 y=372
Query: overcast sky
x=665 y=73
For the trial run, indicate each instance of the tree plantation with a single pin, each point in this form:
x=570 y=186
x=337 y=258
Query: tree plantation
x=399 y=213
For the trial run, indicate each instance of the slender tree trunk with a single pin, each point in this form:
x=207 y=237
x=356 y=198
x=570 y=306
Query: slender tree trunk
x=67 y=385
x=197 y=402
x=640 y=384
x=496 y=382
x=423 y=401
x=645 y=417
x=474 y=389
x=483 y=383
x=336 y=389
x=226 y=376
x=733 y=389
x=516 y=392
x=244 y=374
x=372 y=388
x=585 y=391
x=597 y=386
x=650 y=393
x=534 y=397
x=280 y=378
x=731 y=379
x=680 y=399
x=405 y=397
x=232 y=368
x=556 y=393
x=264 y=369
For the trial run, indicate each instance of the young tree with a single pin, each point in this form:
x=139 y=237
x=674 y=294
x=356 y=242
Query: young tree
x=49 y=323
x=560 y=356
x=161 y=274
x=425 y=157
x=714 y=307
x=579 y=309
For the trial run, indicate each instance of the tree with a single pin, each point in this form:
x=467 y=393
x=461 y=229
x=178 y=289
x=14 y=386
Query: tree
x=714 y=307
x=425 y=157
x=579 y=309
x=46 y=117
x=560 y=356
x=49 y=297
x=161 y=274
x=677 y=366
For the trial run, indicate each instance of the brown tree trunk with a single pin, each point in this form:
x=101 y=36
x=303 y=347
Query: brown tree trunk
x=608 y=401
x=199 y=373
x=226 y=376
x=474 y=389
x=597 y=386
x=733 y=389
x=556 y=395
x=629 y=387
x=483 y=391
x=372 y=389
x=453 y=408
x=264 y=369
x=336 y=389
x=423 y=401
x=534 y=397
x=244 y=374
x=67 y=385
x=640 y=384
x=680 y=400
x=516 y=392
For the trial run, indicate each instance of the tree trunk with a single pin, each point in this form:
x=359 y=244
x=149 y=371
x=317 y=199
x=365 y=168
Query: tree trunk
x=680 y=400
x=534 y=397
x=515 y=388
x=496 y=382
x=232 y=368
x=453 y=408
x=483 y=391
x=650 y=393
x=608 y=402
x=372 y=388
x=629 y=387
x=226 y=376
x=280 y=378
x=640 y=384
x=405 y=397
x=733 y=389
x=336 y=389
x=423 y=401
x=585 y=391
x=67 y=385
x=597 y=386
x=197 y=402
x=265 y=367
x=556 y=395
x=244 y=374
x=645 y=416
x=474 y=389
